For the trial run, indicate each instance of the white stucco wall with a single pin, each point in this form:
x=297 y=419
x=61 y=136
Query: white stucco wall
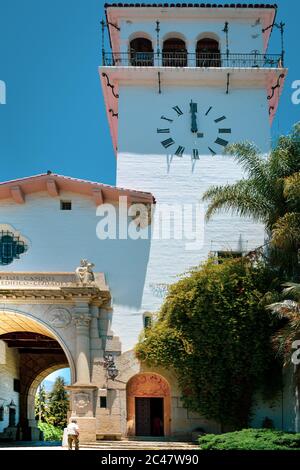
x=59 y=239
x=143 y=163
x=9 y=370
x=282 y=409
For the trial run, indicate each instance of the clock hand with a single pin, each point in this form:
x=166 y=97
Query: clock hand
x=193 y=111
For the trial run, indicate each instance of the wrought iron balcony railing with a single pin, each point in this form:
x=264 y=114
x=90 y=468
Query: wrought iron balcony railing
x=183 y=59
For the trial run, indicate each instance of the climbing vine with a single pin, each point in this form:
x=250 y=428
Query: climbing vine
x=214 y=331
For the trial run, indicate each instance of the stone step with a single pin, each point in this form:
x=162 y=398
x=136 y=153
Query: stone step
x=140 y=445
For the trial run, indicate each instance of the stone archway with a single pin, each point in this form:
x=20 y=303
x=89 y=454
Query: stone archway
x=33 y=387
x=62 y=309
x=148 y=385
x=36 y=353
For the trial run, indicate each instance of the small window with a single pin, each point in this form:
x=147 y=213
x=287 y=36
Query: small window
x=17 y=385
x=65 y=205
x=2 y=413
x=103 y=402
x=147 y=321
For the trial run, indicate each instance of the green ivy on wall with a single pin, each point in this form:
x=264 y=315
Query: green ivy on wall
x=214 y=331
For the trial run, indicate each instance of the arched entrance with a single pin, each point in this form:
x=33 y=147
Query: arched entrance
x=148 y=405
x=31 y=353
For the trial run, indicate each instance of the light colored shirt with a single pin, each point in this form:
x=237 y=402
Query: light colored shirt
x=72 y=429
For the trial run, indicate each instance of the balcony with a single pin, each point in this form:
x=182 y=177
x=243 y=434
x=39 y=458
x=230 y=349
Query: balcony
x=184 y=59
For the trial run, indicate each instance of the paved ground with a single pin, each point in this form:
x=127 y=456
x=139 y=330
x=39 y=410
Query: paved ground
x=103 y=445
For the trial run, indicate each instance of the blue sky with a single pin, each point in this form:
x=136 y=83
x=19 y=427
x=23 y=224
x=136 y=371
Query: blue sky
x=65 y=373
x=54 y=118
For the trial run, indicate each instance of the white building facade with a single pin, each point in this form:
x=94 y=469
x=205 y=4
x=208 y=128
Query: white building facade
x=180 y=83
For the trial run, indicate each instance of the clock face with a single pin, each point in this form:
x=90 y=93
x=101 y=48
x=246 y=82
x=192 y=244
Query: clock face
x=193 y=129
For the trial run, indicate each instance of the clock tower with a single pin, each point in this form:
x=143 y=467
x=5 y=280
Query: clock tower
x=180 y=83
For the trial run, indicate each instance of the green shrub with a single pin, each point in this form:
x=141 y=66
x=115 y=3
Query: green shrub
x=251 y=439
x=50 y=432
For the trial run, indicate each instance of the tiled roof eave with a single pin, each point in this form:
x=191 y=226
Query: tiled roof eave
x=192 y=5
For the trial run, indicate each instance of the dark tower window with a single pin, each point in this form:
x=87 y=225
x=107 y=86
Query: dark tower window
x=141 y=52
x=103 y=402
x=11 y=247
x=17 y=385
x=174 y=53
x=208 y=53
x=12 y=416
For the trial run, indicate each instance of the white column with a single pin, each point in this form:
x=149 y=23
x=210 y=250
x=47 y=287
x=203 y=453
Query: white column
x=82 y=320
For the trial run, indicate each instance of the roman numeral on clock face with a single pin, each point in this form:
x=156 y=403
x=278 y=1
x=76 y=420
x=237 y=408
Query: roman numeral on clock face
x=221 y=142
x=166 y=119
x=167 y=143
x=180 y=151
x=224 y=131
x=178 y=110
x=212 y=151
x=163 y=131
x=220 y=119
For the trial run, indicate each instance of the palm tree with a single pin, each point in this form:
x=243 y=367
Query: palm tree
x=269 y=193
x=288 y=312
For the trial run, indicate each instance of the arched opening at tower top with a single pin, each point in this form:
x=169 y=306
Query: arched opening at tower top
x=208 y=53
x=174 y=53
x=141 y=52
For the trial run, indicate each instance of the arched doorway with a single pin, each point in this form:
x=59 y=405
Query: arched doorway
x=148 y=405
x=208 y=53
x=174 y=53
x=141 y=52
x=30 y=351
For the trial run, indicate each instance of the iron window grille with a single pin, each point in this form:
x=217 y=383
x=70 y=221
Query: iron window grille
x=11 y=247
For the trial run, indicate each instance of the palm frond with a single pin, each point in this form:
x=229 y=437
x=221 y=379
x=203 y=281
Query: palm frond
x=240 y=198
x=291 y=289
x=247 y=154
x=286 y=231
x=291 y=190
x=285 y=309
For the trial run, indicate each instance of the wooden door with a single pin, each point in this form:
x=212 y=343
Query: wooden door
x=142 y=417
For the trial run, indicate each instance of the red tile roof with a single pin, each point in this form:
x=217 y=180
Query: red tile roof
x=191 y=5
x=54 y=183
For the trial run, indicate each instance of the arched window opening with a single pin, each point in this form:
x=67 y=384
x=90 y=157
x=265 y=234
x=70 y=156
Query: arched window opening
x=208 y=53
x=141 y=52
x=12 y=246
x=174 y=53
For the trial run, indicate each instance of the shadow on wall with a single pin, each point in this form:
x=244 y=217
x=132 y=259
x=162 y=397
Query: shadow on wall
x=125 y=264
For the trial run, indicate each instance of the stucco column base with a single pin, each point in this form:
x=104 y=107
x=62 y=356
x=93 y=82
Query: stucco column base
x=87 y=429
x=83 y=402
